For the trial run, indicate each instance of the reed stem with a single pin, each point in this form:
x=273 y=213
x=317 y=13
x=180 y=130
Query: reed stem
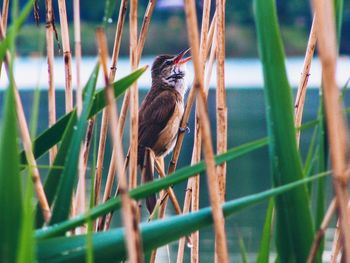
x=301 y=93
x=322 y=230
x=67 y=55
x=104 y=122
x=130 y=223
x=336 y=122
x=50 y=69
x=134 y=98
x=221 y=108
x=5 y=13
x=222 y=253
x=143 y=34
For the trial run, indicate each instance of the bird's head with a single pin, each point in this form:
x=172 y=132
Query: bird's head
x=170 y=69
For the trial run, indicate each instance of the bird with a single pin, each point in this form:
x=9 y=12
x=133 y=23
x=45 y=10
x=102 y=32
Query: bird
x=161 y=112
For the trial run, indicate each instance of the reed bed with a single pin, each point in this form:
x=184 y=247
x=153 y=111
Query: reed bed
x=72 y=224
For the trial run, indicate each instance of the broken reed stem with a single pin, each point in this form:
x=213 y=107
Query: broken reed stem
x=133 y=241
x=104 y=122
x=26 y=141
x=214 y=196
x=221 y=108
x=336 y=122
x=50 y=69
x=67 y=56
x=301 y=94
x=322 y=230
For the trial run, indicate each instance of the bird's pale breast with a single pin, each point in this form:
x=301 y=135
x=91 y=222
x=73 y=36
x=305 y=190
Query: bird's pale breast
x=167 y=137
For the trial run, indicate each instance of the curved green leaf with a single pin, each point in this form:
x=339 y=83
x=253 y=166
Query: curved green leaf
x=10 y=184
x=147 y=189
x=110 y=246
x=53 y=135
x=295 y=229
x=67 y=181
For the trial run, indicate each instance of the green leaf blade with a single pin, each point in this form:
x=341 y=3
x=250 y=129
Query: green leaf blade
x=65 y=189
x=10 y=194
x=295 y=228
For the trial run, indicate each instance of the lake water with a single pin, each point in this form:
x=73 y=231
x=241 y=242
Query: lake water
x=246 y=175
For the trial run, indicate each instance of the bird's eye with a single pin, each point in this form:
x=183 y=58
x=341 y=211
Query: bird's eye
x=168 y=63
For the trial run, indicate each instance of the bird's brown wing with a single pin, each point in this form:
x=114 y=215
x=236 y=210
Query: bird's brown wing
x=153 y=118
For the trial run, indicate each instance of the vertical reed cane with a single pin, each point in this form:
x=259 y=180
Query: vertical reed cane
x=336 y=122
x=67 y=56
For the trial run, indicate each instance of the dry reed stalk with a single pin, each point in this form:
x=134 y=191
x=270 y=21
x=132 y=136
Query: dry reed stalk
x=145 y=26
x=5 y=12
x=26 y=141
x=139 y=48
x=222 y=254
x=67 y=55
x=134 y=98
x=192 y=193
x=133 y=241
x=322 y=230
x=196 y=153
x=221 y=108
x=186 y=209
x=104 y=222
x=336 y=122
x=104 y=122
x=187 y=112
x=301 y=94
x=336 y=246
x=80 y=194
x=50 y=69
x=140 y=45
x=169 y=191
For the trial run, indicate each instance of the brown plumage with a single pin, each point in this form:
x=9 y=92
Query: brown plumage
x=161 y=112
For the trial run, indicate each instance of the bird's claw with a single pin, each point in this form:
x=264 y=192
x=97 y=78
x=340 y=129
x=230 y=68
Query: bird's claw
x=187 y=129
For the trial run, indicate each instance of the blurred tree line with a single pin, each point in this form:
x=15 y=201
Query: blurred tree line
x=294 y=16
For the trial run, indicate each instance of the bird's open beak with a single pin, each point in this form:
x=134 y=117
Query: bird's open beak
x=179 y=58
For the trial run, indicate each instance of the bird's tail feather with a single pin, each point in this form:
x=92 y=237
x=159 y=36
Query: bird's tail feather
x=147 y=176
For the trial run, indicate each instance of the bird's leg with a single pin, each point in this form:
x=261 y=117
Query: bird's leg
x=186 y=129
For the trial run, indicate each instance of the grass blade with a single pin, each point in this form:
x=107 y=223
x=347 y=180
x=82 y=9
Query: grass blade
x=294 y=237
x=149 y=188
x=264 y=250
x=53 y=135
x=10 y=185
x=110 y=246
x=54 y=176
x=26 y=248
x=65 y=189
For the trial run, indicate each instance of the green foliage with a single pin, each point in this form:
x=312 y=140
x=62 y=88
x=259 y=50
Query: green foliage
x=148 y=189
x=11 y=206
x=110 y=245
x=293 y=216
x=53 y=135
x=264 y=250
x=69 y=175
